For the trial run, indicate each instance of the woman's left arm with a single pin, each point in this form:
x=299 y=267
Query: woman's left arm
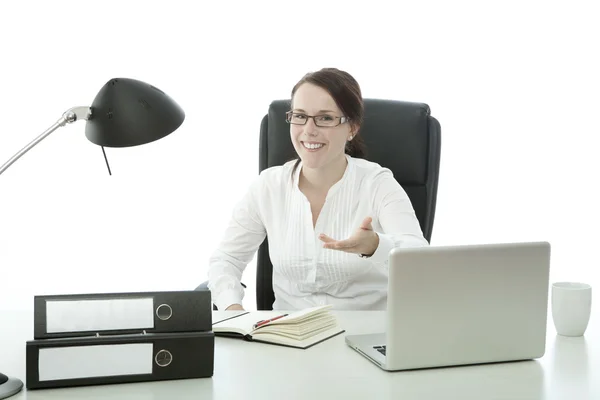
x=395 y=215
x=395 y=221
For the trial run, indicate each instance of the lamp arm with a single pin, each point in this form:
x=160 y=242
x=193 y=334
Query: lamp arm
x=69 y=116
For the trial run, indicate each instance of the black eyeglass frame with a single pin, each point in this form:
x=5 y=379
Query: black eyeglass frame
x=341 y=120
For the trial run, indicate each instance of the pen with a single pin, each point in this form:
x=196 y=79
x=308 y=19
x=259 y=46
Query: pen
x=266 y=321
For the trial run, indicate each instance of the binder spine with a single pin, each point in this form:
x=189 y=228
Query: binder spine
x=107 y=359
x=64 y=316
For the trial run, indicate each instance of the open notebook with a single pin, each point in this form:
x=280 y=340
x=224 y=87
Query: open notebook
x=300 y=329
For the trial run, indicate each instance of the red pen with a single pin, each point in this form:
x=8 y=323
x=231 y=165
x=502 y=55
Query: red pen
x=266 y=321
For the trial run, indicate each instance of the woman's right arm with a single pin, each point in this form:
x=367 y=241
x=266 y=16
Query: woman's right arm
x=241 y=239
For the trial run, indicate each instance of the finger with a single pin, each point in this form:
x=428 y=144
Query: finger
x=323 y=237
x=350 y=250
x=340 y=244
x=366 y=224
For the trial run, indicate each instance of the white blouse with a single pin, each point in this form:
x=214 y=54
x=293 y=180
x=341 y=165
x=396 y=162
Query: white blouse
x=304 y=273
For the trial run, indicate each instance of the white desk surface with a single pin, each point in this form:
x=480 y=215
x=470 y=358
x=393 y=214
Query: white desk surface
x=570 y=369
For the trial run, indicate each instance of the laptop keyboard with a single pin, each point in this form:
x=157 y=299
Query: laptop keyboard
x=380 y=349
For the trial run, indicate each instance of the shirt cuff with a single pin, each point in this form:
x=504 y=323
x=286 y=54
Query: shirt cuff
x=227 y=298
x=386 y=244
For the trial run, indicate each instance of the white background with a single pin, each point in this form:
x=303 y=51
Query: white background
x=515 y=86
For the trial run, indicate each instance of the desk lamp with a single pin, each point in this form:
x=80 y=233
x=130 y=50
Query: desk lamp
x=126 y=112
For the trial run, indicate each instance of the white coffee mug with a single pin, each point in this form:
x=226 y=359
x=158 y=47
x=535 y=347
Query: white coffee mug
x=571 y=307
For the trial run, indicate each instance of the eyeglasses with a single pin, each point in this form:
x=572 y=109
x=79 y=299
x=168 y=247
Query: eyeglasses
x=324 y=120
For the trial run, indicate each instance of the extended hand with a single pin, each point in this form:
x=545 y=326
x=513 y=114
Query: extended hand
x=363 y=241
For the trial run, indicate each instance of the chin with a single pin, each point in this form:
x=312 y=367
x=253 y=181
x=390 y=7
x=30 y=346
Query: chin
x=311 y=160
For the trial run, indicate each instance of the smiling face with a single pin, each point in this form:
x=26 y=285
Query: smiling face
x=318 y=147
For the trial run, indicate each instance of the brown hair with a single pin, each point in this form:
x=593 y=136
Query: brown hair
x=346 y=93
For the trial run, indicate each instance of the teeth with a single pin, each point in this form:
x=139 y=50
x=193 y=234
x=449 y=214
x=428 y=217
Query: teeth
x=313 y=146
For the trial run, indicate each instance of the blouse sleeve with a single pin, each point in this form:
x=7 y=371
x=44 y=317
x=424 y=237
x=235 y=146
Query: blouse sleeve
x=395 y=215
x=242 y=238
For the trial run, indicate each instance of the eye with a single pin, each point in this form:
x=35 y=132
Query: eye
x=299 y=116
x=325 y=118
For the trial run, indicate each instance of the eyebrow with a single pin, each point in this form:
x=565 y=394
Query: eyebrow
x=320 y=111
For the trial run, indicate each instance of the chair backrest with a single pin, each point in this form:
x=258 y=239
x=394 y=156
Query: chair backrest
x=398 y=135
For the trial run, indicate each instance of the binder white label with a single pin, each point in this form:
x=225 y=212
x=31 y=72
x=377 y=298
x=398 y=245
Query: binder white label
x=99 y=315
x=59 y=363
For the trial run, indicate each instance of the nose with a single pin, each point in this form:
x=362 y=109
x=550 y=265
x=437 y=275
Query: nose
x=310 y=128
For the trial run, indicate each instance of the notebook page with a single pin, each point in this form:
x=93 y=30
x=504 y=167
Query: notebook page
x=302 y=315
x=300 y=328
x=243 y=324
x=297 y=335
x=302 y=344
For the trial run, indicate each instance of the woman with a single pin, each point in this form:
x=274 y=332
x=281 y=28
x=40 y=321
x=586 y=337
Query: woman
x=331 y=217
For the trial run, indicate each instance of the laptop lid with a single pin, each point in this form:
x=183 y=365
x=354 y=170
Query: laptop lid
x=469 y=304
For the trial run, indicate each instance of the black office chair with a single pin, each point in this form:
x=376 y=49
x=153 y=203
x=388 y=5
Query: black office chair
x=398 y=135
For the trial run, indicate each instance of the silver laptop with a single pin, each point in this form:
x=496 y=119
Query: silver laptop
x=462 y=305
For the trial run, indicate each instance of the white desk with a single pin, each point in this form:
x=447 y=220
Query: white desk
x=331 y=370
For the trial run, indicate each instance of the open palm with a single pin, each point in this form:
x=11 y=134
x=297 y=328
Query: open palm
x=363 y=241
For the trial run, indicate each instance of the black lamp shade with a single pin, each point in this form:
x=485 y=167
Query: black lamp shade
x=127 y=112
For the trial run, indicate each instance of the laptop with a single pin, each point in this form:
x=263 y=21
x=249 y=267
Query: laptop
x=462 y=305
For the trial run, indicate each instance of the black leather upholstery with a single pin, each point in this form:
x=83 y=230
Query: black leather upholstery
x=401 y=136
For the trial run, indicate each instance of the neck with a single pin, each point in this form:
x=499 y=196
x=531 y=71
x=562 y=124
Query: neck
x=325 y=177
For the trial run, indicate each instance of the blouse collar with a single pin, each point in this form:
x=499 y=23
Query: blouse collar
x=349 y=165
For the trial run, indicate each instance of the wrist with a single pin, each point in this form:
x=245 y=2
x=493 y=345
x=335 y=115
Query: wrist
x=373 y=247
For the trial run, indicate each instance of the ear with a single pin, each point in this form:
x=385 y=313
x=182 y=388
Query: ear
x=353 y=130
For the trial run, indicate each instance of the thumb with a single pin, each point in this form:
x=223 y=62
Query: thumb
x=366 y=224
